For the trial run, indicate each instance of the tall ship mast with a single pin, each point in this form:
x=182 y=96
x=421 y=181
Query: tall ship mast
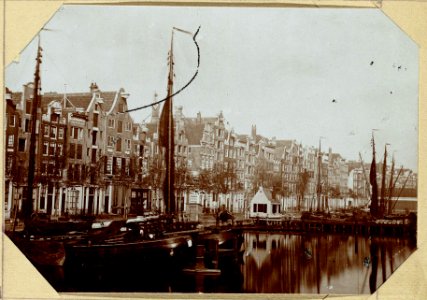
x=27 y=205
x=166 y=139
x=373 y=182
x=319 y=186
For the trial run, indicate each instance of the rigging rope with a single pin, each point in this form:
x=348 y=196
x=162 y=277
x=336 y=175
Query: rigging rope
x=181 y=89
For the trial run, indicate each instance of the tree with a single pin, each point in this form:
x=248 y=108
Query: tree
x=224 y=178
x=183 y=180
x=303 y=178
x=263 y=175
x=204 y=183
x=154 y=178
x=278 y=186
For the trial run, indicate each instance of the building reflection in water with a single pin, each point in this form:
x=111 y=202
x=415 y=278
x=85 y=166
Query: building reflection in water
x=282 y=263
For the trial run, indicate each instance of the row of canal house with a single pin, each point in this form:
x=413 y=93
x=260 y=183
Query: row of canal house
x=93 y=159
x=87 y=153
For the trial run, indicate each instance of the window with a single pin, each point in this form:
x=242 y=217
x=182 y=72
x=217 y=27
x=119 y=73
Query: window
x=94 y=137
x=95 y=120
x=118 y=165
x=54 y=118
x=73 y=196
x=28 y=106
x=119 y=145
x=72 y=150
x=45 y=148
x=60 y=133
x=125 y=164
x=12 y=121
x=76 y=133
x=127 y=142
x=10 y=141
x=27 y=125
x=79 y=151
x=110 y=141
x=52 y=149
x=109 y=165
x=46 y=131
x=119 y=126
x=262 y=208
x=111 y=123
x=53 y=132
x=44 y=167
x=93 y=155
x=21 y=145
x=59 y=149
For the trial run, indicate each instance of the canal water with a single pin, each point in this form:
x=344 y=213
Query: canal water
x=268 y=263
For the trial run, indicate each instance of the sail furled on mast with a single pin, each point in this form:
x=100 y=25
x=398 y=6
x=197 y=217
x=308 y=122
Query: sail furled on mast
x=383 y=178
x=166 y=140
x=373 y=182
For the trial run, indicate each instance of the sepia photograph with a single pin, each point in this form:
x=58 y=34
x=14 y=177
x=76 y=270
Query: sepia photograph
x=213 y=149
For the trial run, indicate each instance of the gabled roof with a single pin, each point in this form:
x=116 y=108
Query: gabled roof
x=79 y=100
x=267 y=193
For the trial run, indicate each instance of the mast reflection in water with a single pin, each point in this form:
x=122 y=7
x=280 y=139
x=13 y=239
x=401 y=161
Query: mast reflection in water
x=279 y=263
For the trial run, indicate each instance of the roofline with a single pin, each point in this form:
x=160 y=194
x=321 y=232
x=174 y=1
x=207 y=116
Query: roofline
x=91 y=102
x=114 y=102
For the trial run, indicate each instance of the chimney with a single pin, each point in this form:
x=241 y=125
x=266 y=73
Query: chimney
x=253 y=132
x=94 y=87
x=199 y=117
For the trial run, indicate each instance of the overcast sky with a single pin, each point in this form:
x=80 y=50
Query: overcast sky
x=278 y=68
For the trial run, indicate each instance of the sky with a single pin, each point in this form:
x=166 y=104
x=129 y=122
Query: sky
x=297 y=73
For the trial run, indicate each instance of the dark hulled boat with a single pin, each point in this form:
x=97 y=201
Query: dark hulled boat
x=130 y=245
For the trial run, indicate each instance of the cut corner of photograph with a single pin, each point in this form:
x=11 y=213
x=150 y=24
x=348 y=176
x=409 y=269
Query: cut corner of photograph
x=215 y=149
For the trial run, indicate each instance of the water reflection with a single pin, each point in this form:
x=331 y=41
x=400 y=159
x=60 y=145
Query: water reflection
x=270 y=263
x=281 y=263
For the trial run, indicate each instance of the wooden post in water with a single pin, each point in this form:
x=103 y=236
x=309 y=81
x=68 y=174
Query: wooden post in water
x=200 y=267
